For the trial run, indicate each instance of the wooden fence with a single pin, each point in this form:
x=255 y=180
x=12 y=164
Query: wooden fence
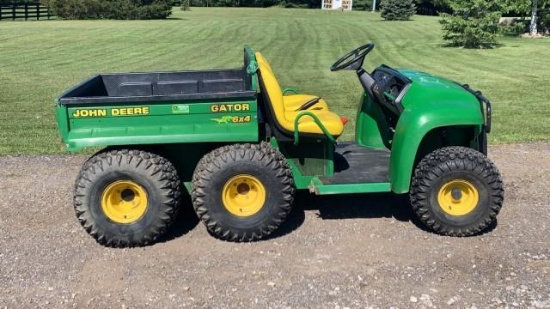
x=26 y=11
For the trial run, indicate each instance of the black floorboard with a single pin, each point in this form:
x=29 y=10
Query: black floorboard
x=357 y=164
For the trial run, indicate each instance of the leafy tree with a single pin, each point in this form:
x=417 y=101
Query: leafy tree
x=539 y=10
x=111 y=9
x=185 y=5
x=432 y=7
x=397 y=9
x=473 y=23
x=362 y=5
x=544 y=17
x=540 y=14
x=533 y=26
x=136 y=9
x=76 y=9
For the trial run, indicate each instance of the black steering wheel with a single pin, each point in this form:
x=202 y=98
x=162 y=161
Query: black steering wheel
x=354 y=59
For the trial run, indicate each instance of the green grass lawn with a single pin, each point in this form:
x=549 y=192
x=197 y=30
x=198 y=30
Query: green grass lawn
x=38 y=60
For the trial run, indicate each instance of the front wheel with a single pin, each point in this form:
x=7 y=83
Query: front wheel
x=456 y=191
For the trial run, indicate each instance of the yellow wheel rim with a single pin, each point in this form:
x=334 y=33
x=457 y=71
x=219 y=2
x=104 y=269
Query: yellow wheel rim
x=243 y=195
x=458 y=197
x=124 y=201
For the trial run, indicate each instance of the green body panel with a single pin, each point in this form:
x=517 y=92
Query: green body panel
x=430 y=103
x=188 y=185
x=301 y=182
x=158 y=123
x=319 y=188
x=252 y=67
x=185 y=157
x=371 y=128
x=408 y=136
x=62 y=118
x=309 y=159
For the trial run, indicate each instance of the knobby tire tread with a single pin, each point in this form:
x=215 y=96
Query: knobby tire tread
x=266 y=156
x=161 y=172
x=449 y=159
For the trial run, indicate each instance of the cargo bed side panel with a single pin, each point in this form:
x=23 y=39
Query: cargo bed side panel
x=158 y=123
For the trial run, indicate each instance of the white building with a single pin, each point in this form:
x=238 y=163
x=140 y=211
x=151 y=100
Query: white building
x=337 y=5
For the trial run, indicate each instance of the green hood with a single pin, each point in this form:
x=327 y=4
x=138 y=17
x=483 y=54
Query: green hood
x=427 y=88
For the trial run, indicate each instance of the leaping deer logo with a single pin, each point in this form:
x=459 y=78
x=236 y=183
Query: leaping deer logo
x=224 y=119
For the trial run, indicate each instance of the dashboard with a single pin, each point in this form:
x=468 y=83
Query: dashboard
x=392 y=87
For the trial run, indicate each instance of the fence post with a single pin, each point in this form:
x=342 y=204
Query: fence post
x=0 y=11
x=26 y=11
x=48 y=11
x=13 y=6
x=37 y=10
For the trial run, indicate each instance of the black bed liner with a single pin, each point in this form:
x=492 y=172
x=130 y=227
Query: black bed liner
x=161 y=86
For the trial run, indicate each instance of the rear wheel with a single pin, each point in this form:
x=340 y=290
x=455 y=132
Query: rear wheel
x=243 y=192
x=456 y=191
x=126 y=198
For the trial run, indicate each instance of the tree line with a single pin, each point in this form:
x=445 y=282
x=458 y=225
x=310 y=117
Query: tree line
x=534 y=12
x=106 y=9
x=470 y=23
x=477 y=23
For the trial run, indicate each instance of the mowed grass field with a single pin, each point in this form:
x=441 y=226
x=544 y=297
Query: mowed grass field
x=38 y=60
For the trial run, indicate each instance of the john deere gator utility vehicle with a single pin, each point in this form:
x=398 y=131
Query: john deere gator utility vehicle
x=240 y=146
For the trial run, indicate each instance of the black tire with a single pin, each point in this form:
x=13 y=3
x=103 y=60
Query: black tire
x=465 y=167
x=153 y=174
x=216 y=170
x=207 y=157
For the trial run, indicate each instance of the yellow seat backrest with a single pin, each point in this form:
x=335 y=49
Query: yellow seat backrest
x=285 y=119
x=260 y=59
x=274 y=92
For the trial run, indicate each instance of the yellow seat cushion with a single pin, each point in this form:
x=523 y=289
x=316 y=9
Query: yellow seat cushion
x=294 y=101
x=285 y=117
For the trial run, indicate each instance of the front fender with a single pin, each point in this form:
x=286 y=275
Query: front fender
x=414 y=124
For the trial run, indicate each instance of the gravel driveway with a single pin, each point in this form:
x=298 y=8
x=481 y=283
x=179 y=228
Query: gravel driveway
x=357 y=251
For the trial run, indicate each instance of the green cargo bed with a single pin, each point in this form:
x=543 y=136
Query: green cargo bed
x=163 y=107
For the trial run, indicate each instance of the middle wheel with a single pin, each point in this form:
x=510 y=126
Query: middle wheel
x=243 y=192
